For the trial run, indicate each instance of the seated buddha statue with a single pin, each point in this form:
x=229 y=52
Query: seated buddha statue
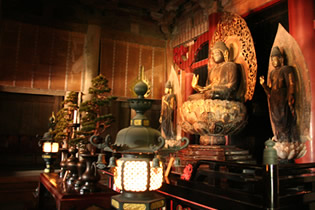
x=223 y=77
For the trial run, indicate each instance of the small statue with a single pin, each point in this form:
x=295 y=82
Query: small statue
x=281 y=97
x=168 y=113
x=223 y=78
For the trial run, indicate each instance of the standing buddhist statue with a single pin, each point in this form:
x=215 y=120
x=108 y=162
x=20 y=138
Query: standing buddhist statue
x=289 y=97
x=168 y=113
x=281 y=97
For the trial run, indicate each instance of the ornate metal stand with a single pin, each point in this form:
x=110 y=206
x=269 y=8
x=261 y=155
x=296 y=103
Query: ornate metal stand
x=72 y=166
x=63 y=162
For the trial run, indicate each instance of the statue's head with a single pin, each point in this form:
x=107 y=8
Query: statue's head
x=168 y=87
x=220 y=52
x=276 y=57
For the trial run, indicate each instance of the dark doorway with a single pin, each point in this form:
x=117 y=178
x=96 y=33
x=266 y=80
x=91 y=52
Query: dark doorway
x=23 y=118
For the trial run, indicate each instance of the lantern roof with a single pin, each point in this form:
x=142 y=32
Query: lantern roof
x=139 y=137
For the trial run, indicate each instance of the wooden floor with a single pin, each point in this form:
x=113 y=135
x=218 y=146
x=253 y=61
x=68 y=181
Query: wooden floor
x=18 y=189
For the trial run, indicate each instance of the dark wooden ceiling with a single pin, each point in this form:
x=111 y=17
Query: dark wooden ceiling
x=157 y=13
x=83 y=10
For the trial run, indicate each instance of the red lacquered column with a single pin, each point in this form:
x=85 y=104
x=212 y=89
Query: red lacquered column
x=301 y=27
x=213 y=21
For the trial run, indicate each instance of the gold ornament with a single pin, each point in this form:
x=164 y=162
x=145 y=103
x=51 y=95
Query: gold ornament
x=233 y=31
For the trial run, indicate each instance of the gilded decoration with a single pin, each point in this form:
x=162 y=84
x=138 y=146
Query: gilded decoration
x=233 y=31
x=134 y=206
x=217 y=109
x=215 y=117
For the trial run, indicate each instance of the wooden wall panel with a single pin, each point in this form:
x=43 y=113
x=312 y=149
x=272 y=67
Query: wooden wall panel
x=57 y=78
x=119 y=70
x=133 y=68
x=25 y=56
x=120 y=64
x=59 y=61
x=188 y=31
x=38 y=57
x=106 y=60
x=159 y=73
x=8 y=52
x=26 y=114
x=43 y=58
x=43 y=61
x=146 y=62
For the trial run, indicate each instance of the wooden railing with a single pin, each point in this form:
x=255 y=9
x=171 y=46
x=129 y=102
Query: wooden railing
x=227 y=185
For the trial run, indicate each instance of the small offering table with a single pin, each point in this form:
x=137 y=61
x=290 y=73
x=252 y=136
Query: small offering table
x=67 y=198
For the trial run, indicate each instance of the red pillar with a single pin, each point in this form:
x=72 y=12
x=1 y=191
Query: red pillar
x=188 y=89
x=213 y=21
x=301 y=27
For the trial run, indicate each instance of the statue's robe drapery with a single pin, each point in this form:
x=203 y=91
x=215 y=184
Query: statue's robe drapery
x=223 y=80
x=281 y=83
x=168 y=116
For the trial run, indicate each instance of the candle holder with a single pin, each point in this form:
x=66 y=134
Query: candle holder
x=72 y=165
x=63 y=162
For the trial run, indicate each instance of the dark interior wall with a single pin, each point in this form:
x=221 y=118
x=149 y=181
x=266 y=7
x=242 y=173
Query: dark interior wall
x=263 y=26
x=26 y=114
x=23 y=118
x=26 y=35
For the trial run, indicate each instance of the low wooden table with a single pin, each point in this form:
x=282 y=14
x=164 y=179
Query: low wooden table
x=66 y=198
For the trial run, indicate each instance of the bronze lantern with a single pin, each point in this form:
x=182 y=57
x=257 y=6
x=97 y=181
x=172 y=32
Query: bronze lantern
x=138 y=173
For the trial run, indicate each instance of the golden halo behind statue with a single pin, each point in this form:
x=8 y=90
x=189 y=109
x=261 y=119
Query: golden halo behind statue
x=233 y=43
x=233 y=31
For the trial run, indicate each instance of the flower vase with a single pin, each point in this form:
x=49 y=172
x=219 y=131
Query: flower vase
x=90 y=177
x=81 y=165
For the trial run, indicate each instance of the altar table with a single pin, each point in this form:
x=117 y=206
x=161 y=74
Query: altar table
x=51 y=187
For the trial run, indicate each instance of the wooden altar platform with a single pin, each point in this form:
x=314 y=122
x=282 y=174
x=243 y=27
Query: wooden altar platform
x=193 y=153
x=213 y=185
x=55 y=194
x=230 y=185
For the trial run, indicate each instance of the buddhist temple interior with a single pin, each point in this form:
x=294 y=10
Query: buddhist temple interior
x=53 y=55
